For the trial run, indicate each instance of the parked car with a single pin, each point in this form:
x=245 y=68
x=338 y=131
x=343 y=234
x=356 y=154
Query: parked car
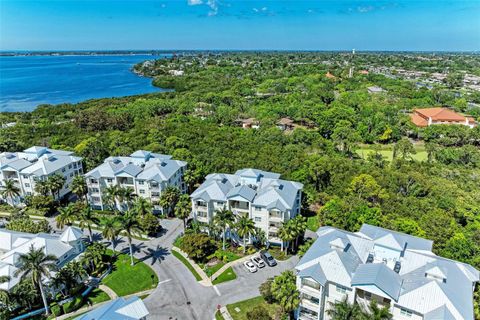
x=267 y=257
x=250 y=266
x=258 y=262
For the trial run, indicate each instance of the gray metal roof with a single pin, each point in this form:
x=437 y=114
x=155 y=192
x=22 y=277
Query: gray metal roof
x=379 y=275
x=425 y=282
x=37 y=161
x=266 y=190
x=142 y=165
x=131 y=308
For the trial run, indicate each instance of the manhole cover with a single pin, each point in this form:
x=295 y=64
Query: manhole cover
x=237 y=309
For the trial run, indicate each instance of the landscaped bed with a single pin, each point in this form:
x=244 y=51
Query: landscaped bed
x=126 y=279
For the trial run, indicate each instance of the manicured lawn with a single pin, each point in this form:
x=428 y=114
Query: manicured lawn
x=187 y=264
x=211 y=270
x=227 y=275
x=247 y=305
x=126 y=279
x=97 y=296
x=312 y=223
x=218 y=316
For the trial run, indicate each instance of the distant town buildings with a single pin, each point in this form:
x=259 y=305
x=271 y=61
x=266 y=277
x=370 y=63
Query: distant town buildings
x=431 y=116
x=250 y=123
x=265 y=198
x=65 y=247
x=146 y=173
x=131 y=308
x=35 y=164
x=396 y=270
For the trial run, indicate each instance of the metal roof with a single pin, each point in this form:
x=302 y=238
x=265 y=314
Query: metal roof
x=379 y=275
x=424 y=284
x=131 y=308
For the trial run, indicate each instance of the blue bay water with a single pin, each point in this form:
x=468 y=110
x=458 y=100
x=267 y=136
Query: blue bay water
x=28 y=81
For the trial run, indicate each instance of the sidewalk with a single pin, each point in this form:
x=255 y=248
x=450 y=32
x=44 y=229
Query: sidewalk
x=205 y=279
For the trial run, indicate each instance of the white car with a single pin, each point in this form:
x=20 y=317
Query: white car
x=250 y=266
x=258 y=262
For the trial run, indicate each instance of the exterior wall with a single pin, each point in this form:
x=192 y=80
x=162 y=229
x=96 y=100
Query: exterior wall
x=26 y=182
x=151 y=190
x=268 y=221
x=399 y=315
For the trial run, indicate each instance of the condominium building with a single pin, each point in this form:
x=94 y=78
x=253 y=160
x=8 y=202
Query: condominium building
x=265 y=198
x=65 y=247
x=146 y=173
x=37 y=164
x=396 y=270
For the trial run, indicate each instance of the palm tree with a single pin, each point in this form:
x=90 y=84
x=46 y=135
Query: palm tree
x=4 y=294
x=42 y=187
x=79 y=187
x=260 y=237
x=377 y=313
x=10 y=190
x=110 y=230
x=66 y=216
x=87 y=219
x=142 y=206
x=287 y=234
x=284 y=289
x=36 y=264
x=183 y=209
x=169 y=198
x=129 y=224
x=111 y=196
x=299 y=225
x=93 y=256
x=244 y=227
x=224 y=218
x=126 y=196
x=345 y=311
x=55 y=184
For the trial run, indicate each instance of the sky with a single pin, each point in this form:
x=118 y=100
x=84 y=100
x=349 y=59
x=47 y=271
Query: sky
x=433 y=25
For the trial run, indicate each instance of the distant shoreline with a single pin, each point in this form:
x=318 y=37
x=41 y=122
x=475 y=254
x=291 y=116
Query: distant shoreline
x=80 y=53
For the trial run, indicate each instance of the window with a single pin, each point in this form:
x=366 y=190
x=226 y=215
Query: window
x=29 y=193
x=257 y=208
x=96 y=199
x=109 y=180
x=142 y=191
x=405 y=312
x=71 y=174
x=258 y=219
x=141 y=182
x=70 y=166
x=63 y=169
x=340 y=289
x=93 y=181
x=368 y=295
x=27 y=185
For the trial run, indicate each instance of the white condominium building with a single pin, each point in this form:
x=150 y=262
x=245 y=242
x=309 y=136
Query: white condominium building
x=396 y=270
x=35 y=164
x=65 y=247
x=146 y=173
x=265 y=198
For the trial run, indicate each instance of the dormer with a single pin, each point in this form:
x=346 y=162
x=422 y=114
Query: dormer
x=436 y=273
x=341 y=244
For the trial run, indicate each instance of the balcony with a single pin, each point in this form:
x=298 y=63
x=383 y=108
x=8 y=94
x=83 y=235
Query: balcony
x=310 y=304
x=314 y=292
x=305 y=315
x=275 y=216
x=239 y=205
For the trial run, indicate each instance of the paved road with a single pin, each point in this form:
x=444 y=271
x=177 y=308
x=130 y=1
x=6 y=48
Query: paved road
x=179 y=295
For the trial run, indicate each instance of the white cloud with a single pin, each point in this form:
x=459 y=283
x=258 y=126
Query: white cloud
x=255 y=9
x=365 y=9
x=264 y=9
x=213 y=4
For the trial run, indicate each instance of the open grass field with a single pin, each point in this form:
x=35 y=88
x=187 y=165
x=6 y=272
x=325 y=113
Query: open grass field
x=97 y=296
x=126 y=279
x=387 y=152
x=226 y=275
x=187 y=264
x=247 y=305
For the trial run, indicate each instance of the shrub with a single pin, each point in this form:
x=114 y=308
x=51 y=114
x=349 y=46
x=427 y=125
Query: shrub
x=198 y=246
x=72 y=305
x=258 y=313
x=23 y=223
x=266 y=291
x=56 y=310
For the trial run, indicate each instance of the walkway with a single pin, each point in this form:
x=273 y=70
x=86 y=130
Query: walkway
x=108 y=291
